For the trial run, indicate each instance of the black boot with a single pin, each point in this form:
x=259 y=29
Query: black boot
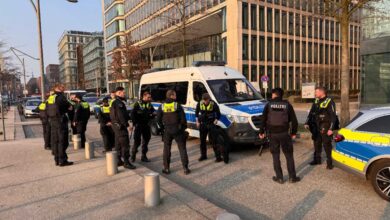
x=145 y=159
x=129 y=166
x=187 y=171
x=66 y=163
x=132 y=158
x=166 y=171
x=120 y=162
x=294 y=179
x=218 y=159
x=315 y=162
x=202 y=158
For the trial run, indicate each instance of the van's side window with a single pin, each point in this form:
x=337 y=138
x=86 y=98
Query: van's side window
x=159 y=90
x=378 y=125
x=198 y=89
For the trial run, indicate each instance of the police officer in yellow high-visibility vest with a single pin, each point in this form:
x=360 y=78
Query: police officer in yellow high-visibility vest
x=171 y=117
x=45 y=124
x=106 y=126
x=321 y=121
x=81 y=117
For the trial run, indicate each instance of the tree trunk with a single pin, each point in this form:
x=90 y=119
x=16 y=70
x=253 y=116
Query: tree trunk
x=345 y=77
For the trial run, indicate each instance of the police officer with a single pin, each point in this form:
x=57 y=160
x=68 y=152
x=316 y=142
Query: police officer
x=321 y=121
x=72 y=101
x=106 y=126
x=171 y=117
x=45 y=122
x=112 y=96
x=207 y=115
x=277 y=116
x=57 y=107
x=141 y=115
x=81 y=117
x=120 y=123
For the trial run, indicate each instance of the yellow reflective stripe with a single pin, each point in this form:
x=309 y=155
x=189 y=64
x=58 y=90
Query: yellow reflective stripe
x=365 y=137
x=348 y=161
x=84 y=104
x=106 y=109
x=52 y=99
x=110 y=102
x=325 y=103
x=42 y=106
x=169 y=107
x=208 y=108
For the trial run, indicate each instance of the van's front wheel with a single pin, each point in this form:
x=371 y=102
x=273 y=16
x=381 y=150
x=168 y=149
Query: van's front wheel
x=380 y=178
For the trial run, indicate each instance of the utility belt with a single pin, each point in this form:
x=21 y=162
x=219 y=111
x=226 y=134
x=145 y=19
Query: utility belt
x=119 y=126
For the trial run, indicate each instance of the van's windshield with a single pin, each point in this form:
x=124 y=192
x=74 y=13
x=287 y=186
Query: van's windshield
x=233 y=90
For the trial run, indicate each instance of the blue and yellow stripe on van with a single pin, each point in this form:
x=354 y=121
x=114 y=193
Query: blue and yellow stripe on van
x=359 y=148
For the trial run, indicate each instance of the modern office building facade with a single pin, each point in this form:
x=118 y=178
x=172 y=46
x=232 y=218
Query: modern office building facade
x=375 y=50
x=52 y=74
x=69 y=47
x=290 y=41
x=94 y=65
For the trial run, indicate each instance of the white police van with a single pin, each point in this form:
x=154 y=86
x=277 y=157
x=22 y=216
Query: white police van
x=240 y=104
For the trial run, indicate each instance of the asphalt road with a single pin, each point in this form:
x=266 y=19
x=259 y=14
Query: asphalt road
x=245 y=187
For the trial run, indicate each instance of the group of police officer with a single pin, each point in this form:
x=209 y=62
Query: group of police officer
x=279 y=126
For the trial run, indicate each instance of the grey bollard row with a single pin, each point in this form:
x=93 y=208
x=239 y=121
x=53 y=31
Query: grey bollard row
x=152 y=189
x=112 y=163
x=76 y=141
x=89 y=150
x=227 y=216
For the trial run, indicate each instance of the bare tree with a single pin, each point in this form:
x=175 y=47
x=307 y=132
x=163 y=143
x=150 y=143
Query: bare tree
x=343 y=11
x=128 y=62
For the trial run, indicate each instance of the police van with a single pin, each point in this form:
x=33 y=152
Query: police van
x=241 y=105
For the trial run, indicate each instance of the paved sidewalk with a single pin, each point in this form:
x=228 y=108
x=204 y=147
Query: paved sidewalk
x=9 y=120
x=31 y=187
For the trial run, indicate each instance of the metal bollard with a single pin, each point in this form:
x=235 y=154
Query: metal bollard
x=76 y=141
x=112 y=163
x=89 y=150
x=152 y=189
x=227 y=216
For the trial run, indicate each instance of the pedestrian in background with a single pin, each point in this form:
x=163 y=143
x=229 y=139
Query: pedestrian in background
x=171 y=118
x=277 y=117
x=120 y=121
x=321 y=121
x=142 y=114
x=106 y=126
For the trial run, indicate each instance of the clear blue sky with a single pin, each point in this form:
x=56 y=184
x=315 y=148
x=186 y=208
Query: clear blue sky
x=18 y=25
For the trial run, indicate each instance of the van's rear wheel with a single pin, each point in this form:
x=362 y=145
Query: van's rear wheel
x=380 y=178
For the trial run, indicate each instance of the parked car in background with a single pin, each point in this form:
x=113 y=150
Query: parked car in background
x=69 y=92
x=90 y=94
x=363 y=147
x=29 y=108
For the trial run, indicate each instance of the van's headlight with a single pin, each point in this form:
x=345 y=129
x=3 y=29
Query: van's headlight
x=238 y=119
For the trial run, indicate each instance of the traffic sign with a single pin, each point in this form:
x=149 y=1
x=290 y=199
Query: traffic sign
x=265 y=78
x=265 y=85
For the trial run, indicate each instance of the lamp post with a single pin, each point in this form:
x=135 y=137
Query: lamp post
x=37 y=7
x=13 y=49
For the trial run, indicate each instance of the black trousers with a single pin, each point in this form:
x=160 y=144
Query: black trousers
x=46 y=133
x=284 y=141
x=81 y=127
x=141 y=132
x=59 y=138
x=325 y=141
x=108 y=137
x=180 y=139
x=122 y=143
x=211 y=131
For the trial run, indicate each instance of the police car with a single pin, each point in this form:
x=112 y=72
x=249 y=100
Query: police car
x=241 y=105
x=364 y=148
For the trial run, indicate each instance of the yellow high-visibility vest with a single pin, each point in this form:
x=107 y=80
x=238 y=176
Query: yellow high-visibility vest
x=42 y=106
x=169 y=107
x=105 y=109
x=52 y=99
x=208 y=108
x=84 y=105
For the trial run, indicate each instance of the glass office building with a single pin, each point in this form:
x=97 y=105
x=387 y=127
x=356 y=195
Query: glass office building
x=291 y=41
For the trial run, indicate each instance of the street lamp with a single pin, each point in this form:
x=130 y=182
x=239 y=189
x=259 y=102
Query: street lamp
x=37 y=7
x=23 y=65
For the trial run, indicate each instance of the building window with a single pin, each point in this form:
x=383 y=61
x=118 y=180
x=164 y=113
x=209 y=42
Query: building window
x=297 y=54
x=269 y=19
x=245 y=47
x=310 y=27
x=297 y=25
x=284 y=50
x=270 y=75
x=269 y=49
x=224 y=49
x=277 y=49
x=291 y=23
x=290 y=51
x=310 y=53
x=253 y=73
x=262 y=48
x=253 y=17
x=284 y=77
x=277 y=21
x=303 y=26
x=315 y=53
x=284 y=22
x=245 y=71
x=245 y=16
x=290 y=78
x=224 y=19
x=303 y=52
x=254 y=47
x=277 y=76
x=262 y=18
